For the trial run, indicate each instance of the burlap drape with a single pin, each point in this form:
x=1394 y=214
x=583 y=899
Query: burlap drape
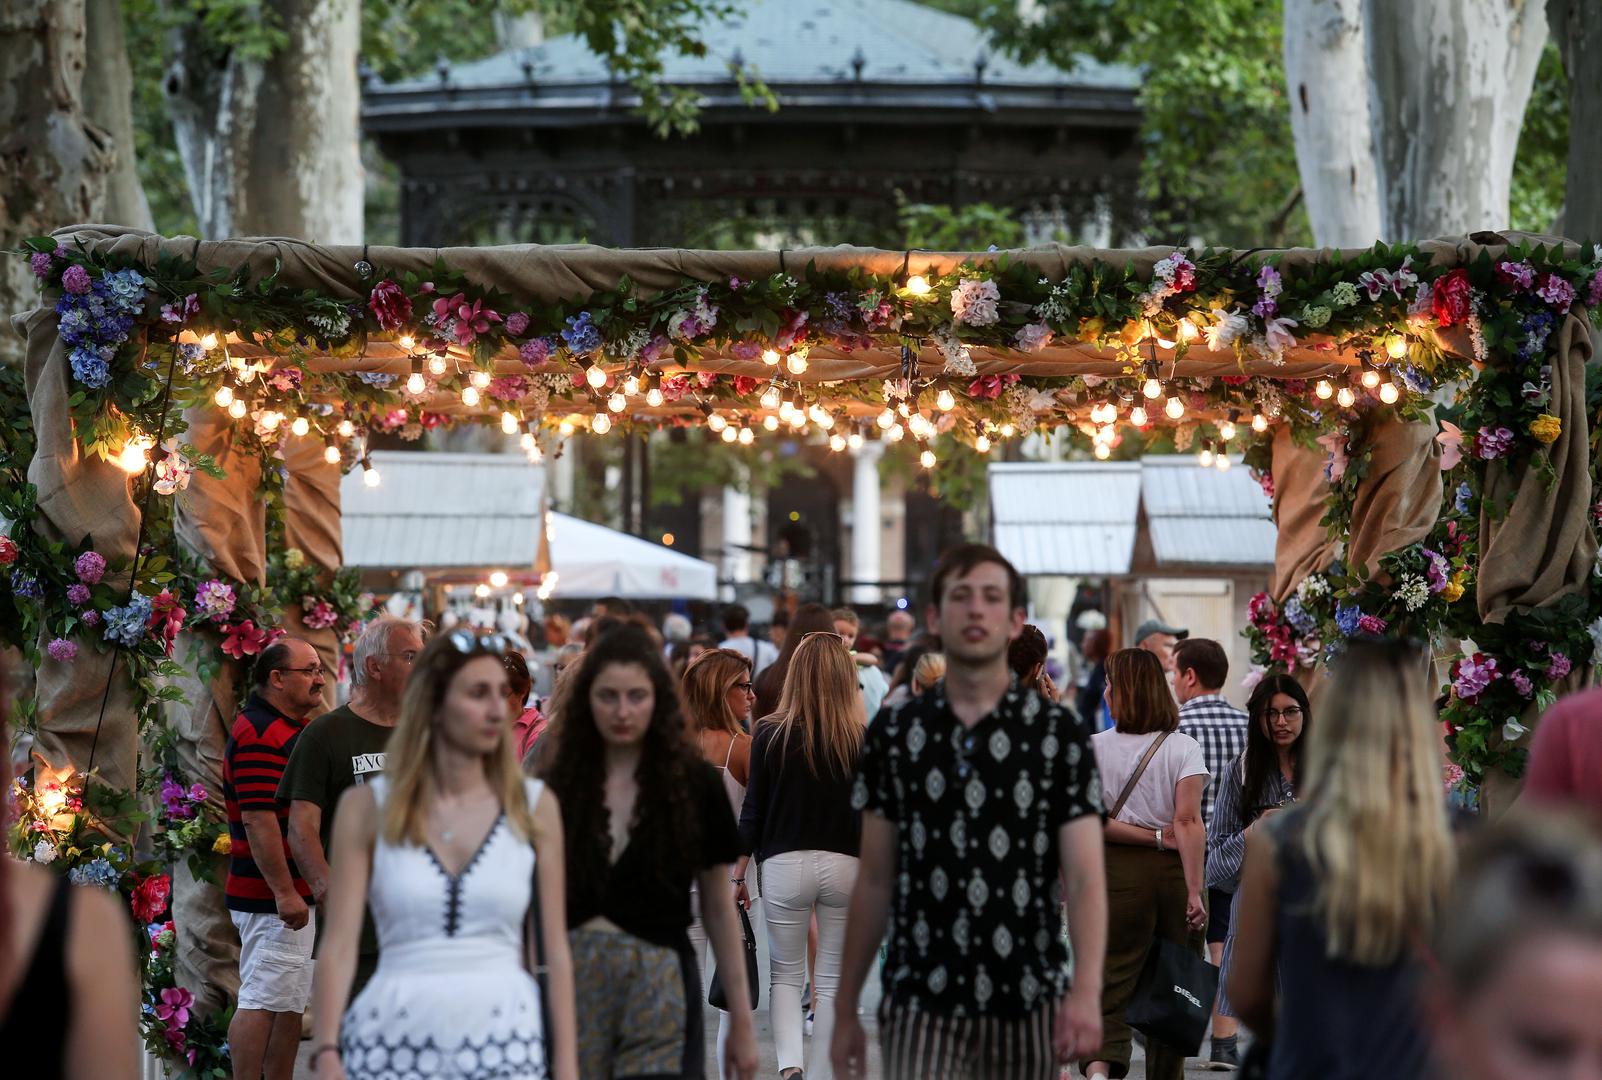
x=311 y=523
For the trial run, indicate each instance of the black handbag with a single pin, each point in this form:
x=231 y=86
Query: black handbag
x=716 y=996
x=1174 y=997
x=539 y=967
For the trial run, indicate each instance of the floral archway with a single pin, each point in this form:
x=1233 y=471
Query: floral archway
x=172 y=452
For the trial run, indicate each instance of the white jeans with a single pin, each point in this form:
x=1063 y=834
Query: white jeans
x=793 y=886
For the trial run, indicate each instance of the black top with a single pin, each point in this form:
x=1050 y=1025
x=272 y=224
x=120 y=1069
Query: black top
x=975 y=928
x=41 y=1008
x=789 y=809
x=1337 y=1020
x=634 y=895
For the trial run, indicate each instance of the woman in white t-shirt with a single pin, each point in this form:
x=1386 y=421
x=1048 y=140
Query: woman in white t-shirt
x=1156 y=847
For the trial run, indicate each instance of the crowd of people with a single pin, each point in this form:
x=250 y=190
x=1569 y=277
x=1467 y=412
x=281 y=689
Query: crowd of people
x=463 y=879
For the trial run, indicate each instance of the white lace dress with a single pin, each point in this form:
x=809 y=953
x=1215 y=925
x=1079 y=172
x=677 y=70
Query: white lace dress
x=452 y=996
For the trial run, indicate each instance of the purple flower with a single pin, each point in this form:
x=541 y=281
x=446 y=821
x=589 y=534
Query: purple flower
x=40 y=262
x=582 y=336
x=1557 y=292
x=1474 y=674
x=90 y=567
x=746 y=350
x=76 y=280
x=1521 y=274
x=534 y=353
x=516 y=323
x=1559 y=666
x=174 y=800
x=1371 y=624
x=1593 y=291
x=62 y=651
x=91 y=618
x=1521 y=683
x=1437 y=570
x=215 y=599
x=77 y=594
x=1492 y=443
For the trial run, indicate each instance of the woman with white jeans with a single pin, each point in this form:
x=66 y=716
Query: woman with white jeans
x=798 y=822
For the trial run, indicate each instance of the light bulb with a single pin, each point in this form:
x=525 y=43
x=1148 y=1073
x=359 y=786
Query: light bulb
x=770 y=422
x=887 y=418
x=770 y=397
x=565 y=428
x=1223 y=463
x=944 y=401
x=1007 y=430
x=345 y=429
x=747 y=436
x=526 y=443
x=436 y=365
x=796 y=363
x=982 y=444
x=617 y=402
x=716 y=422
x=406 y=341
x=415 y=383
x=1396 y=346
x=1107 y=433
x=509 y=423
x=927 y=459
x=134 y=457
x=1152 y=389
x=1137 y=416
x=1389 y=393
x=771 y=357
x=818 y=413
x=1103 y=451
x=1226 y=431
x=1371 y=378
x=798 y=419
x=786 y=409
x=1187 y=330
x=631 y=385
x=855 y=440
x=208 y=342
x=331 y=453
x=1345 y=398
x=595 y=377
x=903 y=409
x=370 y=475
x=270 y=420
x=479 y=378
x=238 y=409
x=224 y=396
x=299 y=427
x=1205 y=458
x=1164 y=342
x=653 y=397
x=1259 y=423
x=895 y=433
x=470 y=397
x=1175 y=408
x=481 y=591
x=1324 y=390
x=837 y=442
x=730 y=434
x=601 y=424
x=498 y=579
x=918 y=285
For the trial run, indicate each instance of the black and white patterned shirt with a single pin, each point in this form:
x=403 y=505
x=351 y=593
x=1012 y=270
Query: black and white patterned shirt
x=1221 y=730
x=975 y=928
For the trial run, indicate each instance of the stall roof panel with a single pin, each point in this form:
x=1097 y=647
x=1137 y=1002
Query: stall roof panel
x=1091 y=550
x=1213 y=541
x=1065 y=492
x=1176 y=486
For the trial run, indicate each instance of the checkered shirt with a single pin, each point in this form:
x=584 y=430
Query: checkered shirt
x=1221 y=730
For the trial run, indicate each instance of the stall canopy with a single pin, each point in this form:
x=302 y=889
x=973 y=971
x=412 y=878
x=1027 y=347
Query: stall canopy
x=483 y=511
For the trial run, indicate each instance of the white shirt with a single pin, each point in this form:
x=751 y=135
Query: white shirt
x=1151 y=804
x=760 y=653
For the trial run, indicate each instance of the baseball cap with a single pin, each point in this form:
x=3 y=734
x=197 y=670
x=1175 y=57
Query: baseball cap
x=1155 y=626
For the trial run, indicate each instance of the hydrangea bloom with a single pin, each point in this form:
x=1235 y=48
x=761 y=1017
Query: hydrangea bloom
x=126 y=289
x=1297 y=615
x=534 y=353
x=1348 y=618
x=44 y=853
x=1344 y=294
x=62 y=651
x=77 y=594
x=1464 y=498
x=1557 y=292
x=126 y=625
x=1521 y=682
x=215 y=599
x=1034 y=337
x=1492 y=443
x=96 y=872
x=582 y=336
x=974 y=300
x=516 y=323
x=1559 y=666
x=40 y=263
x=90 y=567
x=75 y=279
x=91 y=366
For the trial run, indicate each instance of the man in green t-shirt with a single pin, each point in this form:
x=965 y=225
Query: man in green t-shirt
x=346 y=747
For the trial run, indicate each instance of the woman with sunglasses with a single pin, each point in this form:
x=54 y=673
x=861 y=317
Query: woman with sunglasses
x=645 y=817
x=447 y=847
x=1341 y=892
x=717 y=707
x=799 y=824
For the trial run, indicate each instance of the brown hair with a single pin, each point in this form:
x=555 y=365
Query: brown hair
x=822 y=708
x=705 y=689
x=845 y=614
x=1138 y=693
x=808 y=619
x=964 y=557
x=1096 y=645
x=1027 y=651
x=1206 y=658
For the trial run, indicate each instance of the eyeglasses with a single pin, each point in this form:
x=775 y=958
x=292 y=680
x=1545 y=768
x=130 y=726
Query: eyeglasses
x=467 y=642
x=1292 y=713
x=409 y=656
x=743 y=687
x=314 y=671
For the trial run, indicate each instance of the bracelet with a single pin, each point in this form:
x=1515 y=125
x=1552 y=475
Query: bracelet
x=737 y=881
x=323 y=1049
x=1159 y=839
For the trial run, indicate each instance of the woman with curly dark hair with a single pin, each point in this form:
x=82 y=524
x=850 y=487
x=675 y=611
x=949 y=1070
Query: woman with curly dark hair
x=649 y=816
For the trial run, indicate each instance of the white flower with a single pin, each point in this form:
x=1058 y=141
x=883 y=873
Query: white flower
x=1312 y=587
x=1513 y=731
x=1414 y=592
x=1595 y=630
x=1278 y=338
x=1093 y=381
x=173 y=471
x=1223 y=333
x=1034 y=337
x=958 y=360
x=44 y=852
x=973 y=301
x=1253 y=677
x=1043 y=400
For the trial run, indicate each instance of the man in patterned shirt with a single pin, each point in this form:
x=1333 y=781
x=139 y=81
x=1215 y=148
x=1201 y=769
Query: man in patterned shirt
x=1201 y=666
x=980 y=796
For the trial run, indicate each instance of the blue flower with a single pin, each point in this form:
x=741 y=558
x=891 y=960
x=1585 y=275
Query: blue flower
x=126 y=625
x=1464 y=498
x=189 y=356
x=126 y=289
x=1416 y=380
x=97 y=872
x=26 y=585
x=1537 y=327
x=379 y=379
x=1346 y=618
x=1298 y=616
x=582 y=336
x=74 y=322
x=92 y=366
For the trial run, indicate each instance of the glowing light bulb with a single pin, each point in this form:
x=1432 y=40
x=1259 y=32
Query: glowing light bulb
x=406 y=341
x=595 y=377
x=771 y=357
x=208 y=342
x=717 y=422
x=1324 y=390
x=1174 y=408
x=796 y=363
x=855 y=440
x=817 y=413
x=565 y=428
x=617 y=402
x=436 y=365
x=1259 y=423
x=370 y=475
x=527 y=443
x=1007 y=430
x=299 y=427
x=944 y=401
x=481 y=591
x=1223 y=463
x=479 y=379
x=1137 y=416
x=601 y=424
x=798 y=419
x=1205 y=458
x=1345 y=398
x=837 y=442
x=498 y=579
x=1389 y=393
x=1226 y=431
x=1371 y=378
x=747 y=436
x=331 y=453
x=631 y=385
x=730 y=434
x=238 y=409
x=1103 y=451
x=1396 y=346
x=345 y=429
x=653 y=397
x=770 y=422
x=224 y=396
x=1187 y=331
x=918 y=285
x=509 y=423
x=1152 y=389
x=895 y=433
x=887 y=418
x=135 y=456
x=927 y=459
x=270 y=420
x=415 y=383
x=770 y=397
x=470 y=397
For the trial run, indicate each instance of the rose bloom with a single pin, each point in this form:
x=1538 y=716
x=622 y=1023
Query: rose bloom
x=1449 y=299
x=389 y=305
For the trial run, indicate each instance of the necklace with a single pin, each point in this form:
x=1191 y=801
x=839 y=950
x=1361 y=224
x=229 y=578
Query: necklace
x=447 y=835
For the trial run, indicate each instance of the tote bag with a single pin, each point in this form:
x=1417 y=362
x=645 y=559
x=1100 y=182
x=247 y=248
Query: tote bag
x=716 y=996
x=1174 y=997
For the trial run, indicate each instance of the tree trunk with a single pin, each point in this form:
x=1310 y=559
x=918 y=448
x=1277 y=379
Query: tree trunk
x=1450 y=79
x=1327 y=75
x=272 y=148
x=54 y=161
x=108 y=102
x=1577 y=29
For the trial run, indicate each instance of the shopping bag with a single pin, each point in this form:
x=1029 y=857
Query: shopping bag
x=716 y=996
x=1173 y=998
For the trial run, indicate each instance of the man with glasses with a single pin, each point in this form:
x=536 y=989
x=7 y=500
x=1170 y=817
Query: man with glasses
x=343 y=748
x=269 y=901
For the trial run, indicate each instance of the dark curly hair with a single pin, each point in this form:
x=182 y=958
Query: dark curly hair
x=1261 y=756
x=665 y=823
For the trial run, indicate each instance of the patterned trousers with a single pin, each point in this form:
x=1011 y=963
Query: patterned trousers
x=918 y=1045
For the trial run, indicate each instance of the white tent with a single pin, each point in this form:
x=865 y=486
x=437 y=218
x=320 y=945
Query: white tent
x=472 y=511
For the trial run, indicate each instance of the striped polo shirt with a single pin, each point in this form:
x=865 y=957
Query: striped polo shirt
x=258 y=750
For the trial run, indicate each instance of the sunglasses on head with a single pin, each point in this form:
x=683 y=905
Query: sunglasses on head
x=468 y=642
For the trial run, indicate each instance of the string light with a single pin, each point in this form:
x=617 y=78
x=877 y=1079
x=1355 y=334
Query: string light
x=370 y=475
x=653 y=390
x=330 y=450
x=406 y=341
x=1007 y=430
x=594 y=376
x=345 y=429
x=887 y=418
x=481 y=591
x=918 y=285
x=498 y=579
x=1174 y=408
x=1226 y=431
x=601 y=423
x=1259 y=423
x=747 y=436
x=470 y=397
x=730 y=434
x=1345 y=398
x=415 y=383
x=1187 y=331
x=1371 y=377
x=895 y=433
x=1137 y=416
x=1324 y=390
x=796 y=363
x=1396 y=346
x=527 y=443
x=771 y=357
x=479 y=378
x=631 y=385
x=299 y=427
x=982 y=443
x=855 y=440
x=617 y=402
x=135 y=455
x=798 y=419
x=837 y=442
x=927 y=459
x=437 y=365
x=770 y=422
x=770 y=397
x=224 y=396
x=270 y=419
x=238 y=409
x=717 y=422
x=1102 y=451
x=944 y=401
x=565 y=428
x=1205 y=458
x=509 y=422
x=208 y=342
x=1389 y=393
x=1223 y=462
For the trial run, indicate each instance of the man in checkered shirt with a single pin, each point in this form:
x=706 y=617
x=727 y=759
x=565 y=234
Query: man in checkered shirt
x=1200 y=668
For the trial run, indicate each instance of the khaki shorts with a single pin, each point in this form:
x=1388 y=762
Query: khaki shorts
x=275 y=962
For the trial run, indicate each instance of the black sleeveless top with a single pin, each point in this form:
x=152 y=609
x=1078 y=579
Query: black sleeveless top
x=41 y=1008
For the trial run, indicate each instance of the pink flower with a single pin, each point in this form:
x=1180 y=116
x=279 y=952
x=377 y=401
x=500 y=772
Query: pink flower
x=1451 y=439
x=62 y=651
x=745 y=385
x=471 y=319
x=707 y=379
x=1521 y=682
x=1492 y=443
x=675 y=387
x=746 y=350
x=1593 y=291
x=90 y=567
x=516 y=323
x=1277 y=333
x=243 y=639
x=1033 y=337
x=317 y=614
x=1450 y=299
x=990 y=387
x=8 y=551
x=390 y=305
x=974 y=301
x=535 y=352
x=1471 y=675
x=507 y=388
x=40 y=263
x=77 y=594
x=149 y=902
x=1451 y=775
x=1520 y=274
x=181 y=312
x=1335 y=468
x=91 y=618
x=1371 y=624
x=1557 y=292
x=1559 y=666
x=173 y=1008
x=76 y=280
x=166 y=618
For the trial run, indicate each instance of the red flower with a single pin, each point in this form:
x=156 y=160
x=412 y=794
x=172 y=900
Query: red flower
x=8 y=551
x=471 y=319
x=745 y=384
x=989 y=387
x=1449 y=299
x=390 y=305
x=149 y=899
x=166 y=618
x=243 y=639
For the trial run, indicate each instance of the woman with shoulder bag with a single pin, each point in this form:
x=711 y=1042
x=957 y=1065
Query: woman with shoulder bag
x=1152 y=778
